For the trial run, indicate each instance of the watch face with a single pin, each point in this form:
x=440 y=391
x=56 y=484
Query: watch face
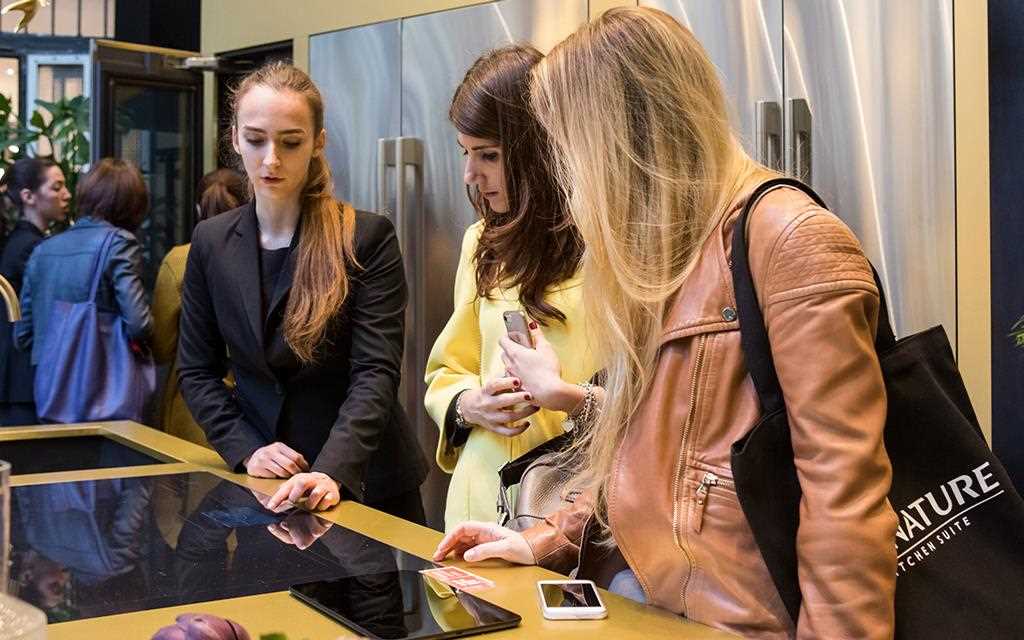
x=460 y=420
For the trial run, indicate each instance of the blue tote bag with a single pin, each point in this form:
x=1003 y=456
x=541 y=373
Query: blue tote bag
x=87 y=369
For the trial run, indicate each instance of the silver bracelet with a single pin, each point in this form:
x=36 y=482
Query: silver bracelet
x=585 y=411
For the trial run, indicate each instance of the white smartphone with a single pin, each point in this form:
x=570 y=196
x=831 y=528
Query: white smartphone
x=570 y=600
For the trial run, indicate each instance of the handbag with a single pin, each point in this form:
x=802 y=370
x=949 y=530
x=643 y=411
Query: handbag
x=87 y=369
x=542 y=484
x=960 y=571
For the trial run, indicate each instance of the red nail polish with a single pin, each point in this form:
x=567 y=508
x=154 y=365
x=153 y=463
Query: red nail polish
x=529 y=397
x=517 y=383
x=533 y=324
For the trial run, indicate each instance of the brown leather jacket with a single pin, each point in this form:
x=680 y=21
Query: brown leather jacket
x=672 y=504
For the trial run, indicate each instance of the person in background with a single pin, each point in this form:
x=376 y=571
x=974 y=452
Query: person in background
x=218 y=191
x=523 y=254
x=303 y=298
x=112 y=196
x=37 y=188
x=657 y=180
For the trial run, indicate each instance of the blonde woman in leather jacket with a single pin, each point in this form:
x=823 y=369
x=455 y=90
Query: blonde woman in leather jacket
x=656 y=179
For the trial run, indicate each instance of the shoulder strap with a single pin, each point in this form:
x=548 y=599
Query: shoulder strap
x=757 y=352
x=101 y=261
x=512 y=472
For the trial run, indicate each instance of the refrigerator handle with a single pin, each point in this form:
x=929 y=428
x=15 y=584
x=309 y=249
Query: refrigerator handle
x=768 y=131
x=408 y=153
x=800 y=130
x=385 y=158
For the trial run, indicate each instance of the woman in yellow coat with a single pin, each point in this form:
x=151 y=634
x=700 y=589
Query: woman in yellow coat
x=523 y=255
x=219 y=191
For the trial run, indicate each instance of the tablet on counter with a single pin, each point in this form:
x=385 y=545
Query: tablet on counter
x=403 y=605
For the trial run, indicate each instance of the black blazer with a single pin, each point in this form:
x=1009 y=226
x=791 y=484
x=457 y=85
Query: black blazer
x=16 y=366
x=342 y=412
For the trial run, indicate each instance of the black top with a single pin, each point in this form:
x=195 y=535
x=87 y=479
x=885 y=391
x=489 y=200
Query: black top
x=271 y=261
x=16 y=366
x=341 y=412
x=23 y=239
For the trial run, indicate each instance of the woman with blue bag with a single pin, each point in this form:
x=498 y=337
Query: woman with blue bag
x=84 y=311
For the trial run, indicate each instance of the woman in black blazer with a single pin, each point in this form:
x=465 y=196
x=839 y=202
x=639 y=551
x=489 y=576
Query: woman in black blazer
x=303 y=299
x=37 y=188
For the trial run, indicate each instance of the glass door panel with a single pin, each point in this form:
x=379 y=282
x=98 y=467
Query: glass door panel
x=153 y=127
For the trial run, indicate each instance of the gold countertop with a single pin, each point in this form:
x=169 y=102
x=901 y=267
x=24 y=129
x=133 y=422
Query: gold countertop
x=279 y=612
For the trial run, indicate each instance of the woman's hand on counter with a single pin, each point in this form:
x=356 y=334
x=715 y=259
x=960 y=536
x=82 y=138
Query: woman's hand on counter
x=497 y=406
x=319 y=489
x=276 y=460
x=475 y=541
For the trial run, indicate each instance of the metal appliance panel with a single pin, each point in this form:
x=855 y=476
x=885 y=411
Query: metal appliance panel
x=743 y=38
x=877 y=78
x=437 y=49
x=359 y=74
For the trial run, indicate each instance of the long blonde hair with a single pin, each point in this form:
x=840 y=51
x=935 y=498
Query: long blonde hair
x=326 y=246
x=648 y=160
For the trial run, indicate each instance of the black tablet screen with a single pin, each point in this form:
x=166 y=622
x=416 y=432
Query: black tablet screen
x=403 y=605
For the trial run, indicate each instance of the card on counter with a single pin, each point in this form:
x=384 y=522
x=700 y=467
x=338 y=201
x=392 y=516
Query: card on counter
x=460 y=579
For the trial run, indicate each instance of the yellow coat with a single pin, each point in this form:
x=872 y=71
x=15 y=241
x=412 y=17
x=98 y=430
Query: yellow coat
x=174 y=414
x=466 y=355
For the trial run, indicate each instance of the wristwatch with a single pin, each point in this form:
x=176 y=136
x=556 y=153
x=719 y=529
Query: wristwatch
x=460 y=420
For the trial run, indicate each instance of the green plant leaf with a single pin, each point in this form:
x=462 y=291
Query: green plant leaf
x=49 y=106
x=37 y=120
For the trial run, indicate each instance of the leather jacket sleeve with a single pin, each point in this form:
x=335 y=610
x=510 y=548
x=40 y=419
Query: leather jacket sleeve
x=556 y=541
x=818 y=290
x=376 y=313
x=202 y=364
x=125 y=266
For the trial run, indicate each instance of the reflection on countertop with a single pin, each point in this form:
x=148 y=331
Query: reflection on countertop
x=101 y=547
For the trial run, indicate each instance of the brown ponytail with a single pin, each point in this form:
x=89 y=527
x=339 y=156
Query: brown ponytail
x=219 y=191
x=326 y=246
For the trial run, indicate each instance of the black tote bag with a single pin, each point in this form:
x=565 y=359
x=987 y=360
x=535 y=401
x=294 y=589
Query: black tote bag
x=960 y=542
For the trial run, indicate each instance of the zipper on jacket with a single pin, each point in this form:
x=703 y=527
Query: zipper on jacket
x=709 y=480
x=683 y=448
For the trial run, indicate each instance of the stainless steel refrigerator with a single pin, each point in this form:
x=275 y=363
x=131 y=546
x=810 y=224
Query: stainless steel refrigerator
x=856 y=97
x=387 y=87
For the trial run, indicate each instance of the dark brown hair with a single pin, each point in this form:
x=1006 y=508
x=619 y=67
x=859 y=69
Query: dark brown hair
x=26 y=173
x=326 y=246
x=219 y=191
x=114 y=191
x=535 y=244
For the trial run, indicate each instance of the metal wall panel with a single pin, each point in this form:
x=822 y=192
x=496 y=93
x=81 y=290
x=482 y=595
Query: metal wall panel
x=877 y=77
x=743 y=38
x=359 y=75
